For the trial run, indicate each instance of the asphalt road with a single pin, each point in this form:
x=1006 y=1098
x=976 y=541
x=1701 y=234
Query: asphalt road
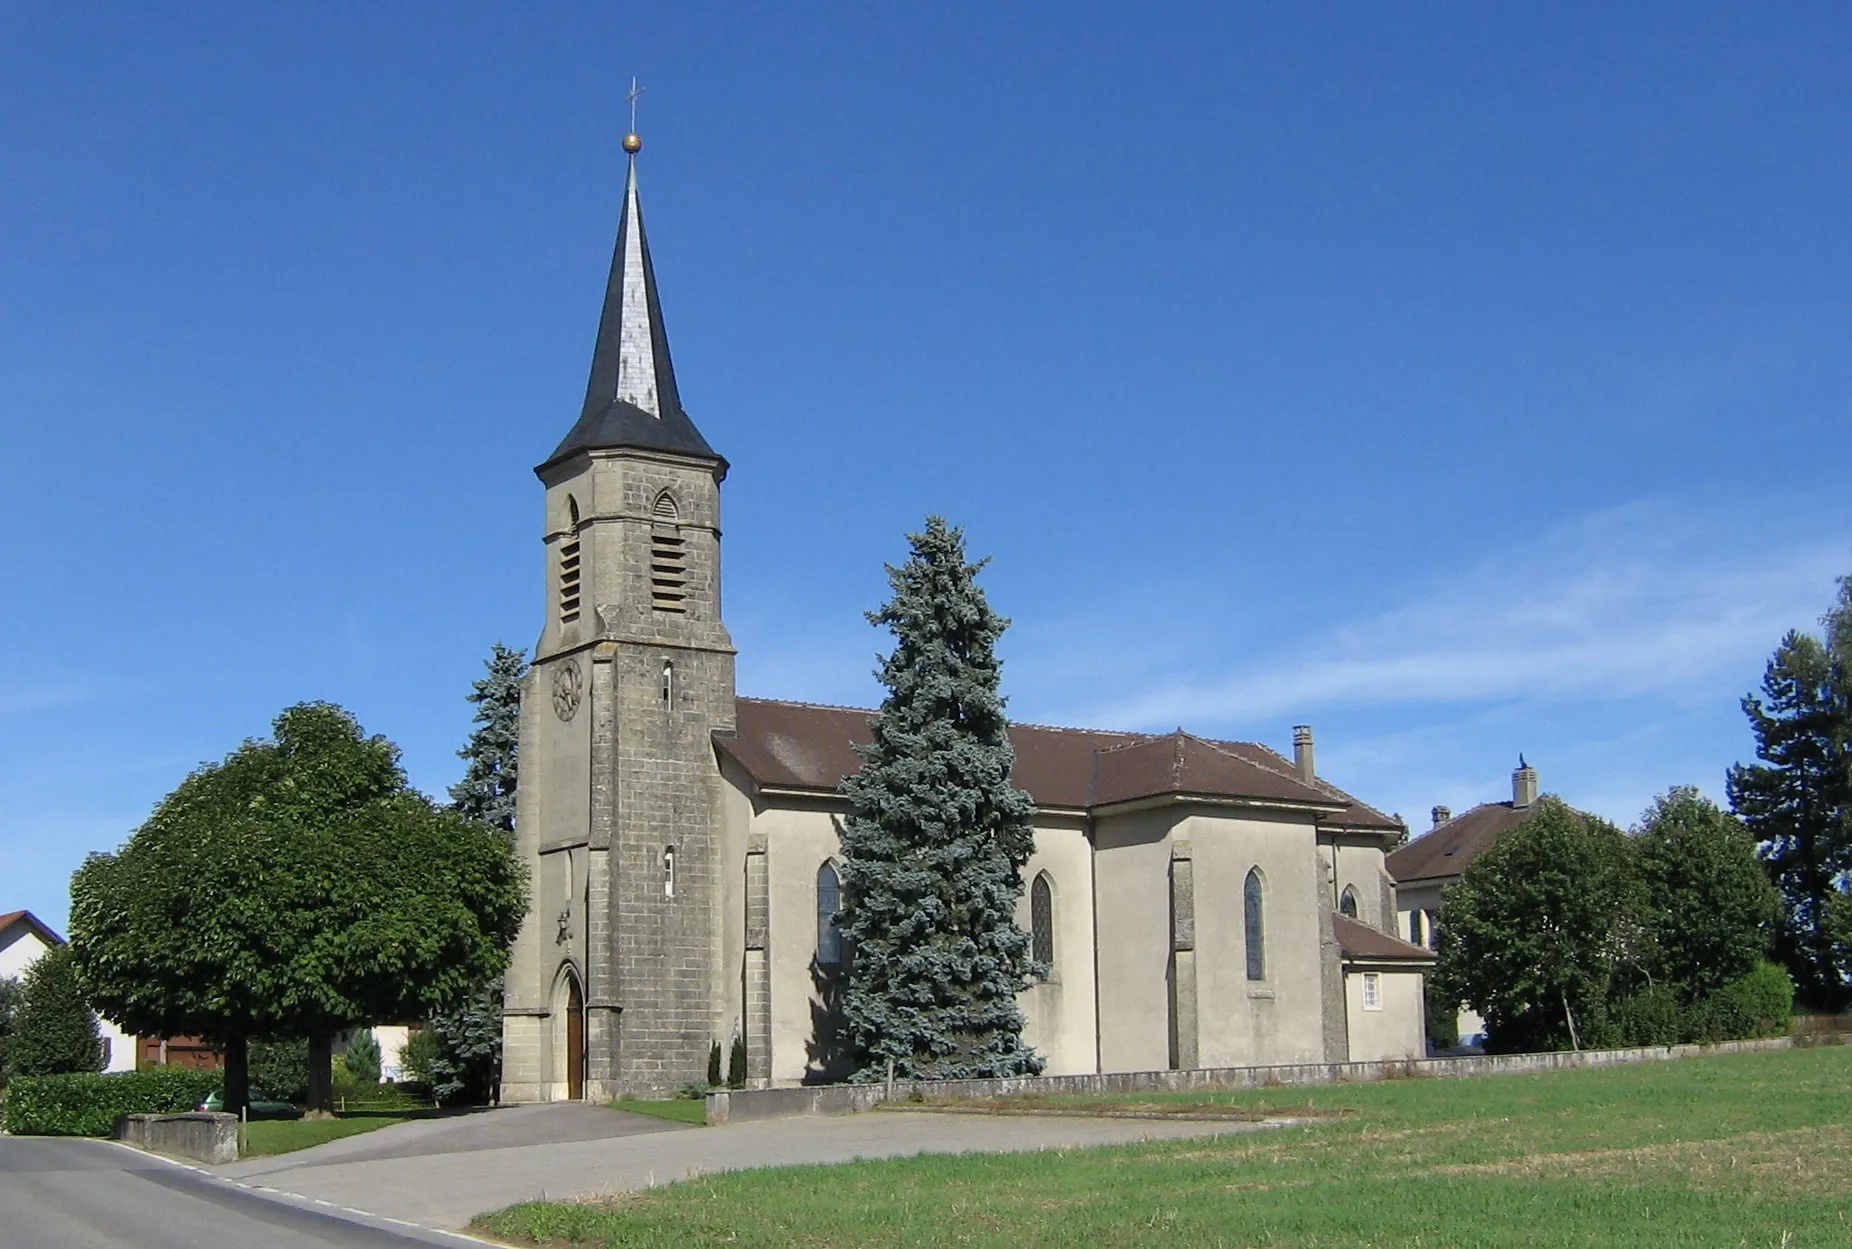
x=62 y=1193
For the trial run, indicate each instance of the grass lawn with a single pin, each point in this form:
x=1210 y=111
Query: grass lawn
x=1742 y=1150
x=281 y=1136
x=680 y=1109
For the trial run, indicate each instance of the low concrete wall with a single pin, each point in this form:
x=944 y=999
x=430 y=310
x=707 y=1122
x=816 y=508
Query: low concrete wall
x=201 y=1135
x=1817 y=1025
x=739 y=1106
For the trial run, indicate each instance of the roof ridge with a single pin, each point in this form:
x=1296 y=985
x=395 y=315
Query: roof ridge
x=798 y=702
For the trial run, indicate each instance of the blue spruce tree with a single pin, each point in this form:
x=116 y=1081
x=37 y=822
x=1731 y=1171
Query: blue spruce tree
x=468 y=1060
x=936 y=840
x=486 y=792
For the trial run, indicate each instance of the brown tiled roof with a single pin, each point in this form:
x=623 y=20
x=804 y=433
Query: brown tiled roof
x=1360 y=941
x=804 y=746
x=1445 y=851
x=9 y=918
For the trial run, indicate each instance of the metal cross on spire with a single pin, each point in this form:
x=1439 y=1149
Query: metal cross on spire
x=632 y=95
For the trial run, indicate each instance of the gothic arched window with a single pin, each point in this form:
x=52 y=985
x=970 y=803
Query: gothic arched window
x=829 y=901
x=1255 y=925
x=569 y=566
x=1347 y=905
x=1042 y=922
x=1416 y=935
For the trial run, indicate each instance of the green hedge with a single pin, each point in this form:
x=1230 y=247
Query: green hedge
x=87 y=1105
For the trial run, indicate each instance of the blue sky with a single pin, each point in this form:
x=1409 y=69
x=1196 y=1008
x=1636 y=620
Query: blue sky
x=1461 y=379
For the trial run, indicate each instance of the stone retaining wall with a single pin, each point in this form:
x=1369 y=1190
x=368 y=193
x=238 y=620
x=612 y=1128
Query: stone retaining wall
x=740 y=1106
x=204 y=1136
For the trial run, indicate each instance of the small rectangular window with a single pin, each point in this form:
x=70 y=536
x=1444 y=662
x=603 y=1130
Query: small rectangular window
x=1372 y=990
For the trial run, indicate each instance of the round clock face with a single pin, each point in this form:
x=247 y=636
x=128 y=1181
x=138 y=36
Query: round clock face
x=568 y=684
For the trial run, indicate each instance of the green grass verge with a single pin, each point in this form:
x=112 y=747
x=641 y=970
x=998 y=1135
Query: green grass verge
x=263 y=1137
x=680 y=1109
x=1740 y=1150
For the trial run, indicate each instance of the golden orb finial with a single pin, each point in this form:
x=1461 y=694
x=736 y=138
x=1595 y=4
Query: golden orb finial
x=633 y=143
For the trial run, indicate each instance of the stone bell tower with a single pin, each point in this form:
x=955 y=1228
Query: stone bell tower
x=616 y=979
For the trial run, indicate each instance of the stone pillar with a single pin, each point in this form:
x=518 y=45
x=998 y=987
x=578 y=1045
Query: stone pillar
x=1183 y=1033
x=1331 y=971
x=758 y=970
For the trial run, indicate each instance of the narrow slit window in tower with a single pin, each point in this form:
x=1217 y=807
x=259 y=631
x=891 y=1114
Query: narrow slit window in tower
x=668 y=872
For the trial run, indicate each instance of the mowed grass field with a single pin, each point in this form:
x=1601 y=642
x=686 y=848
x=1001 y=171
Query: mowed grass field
x=1743 y=1150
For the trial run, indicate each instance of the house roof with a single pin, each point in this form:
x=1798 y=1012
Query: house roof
x=803 y=746
x=1444 y=851
x=9 y=920
x=1360 y=941
x=631 y=399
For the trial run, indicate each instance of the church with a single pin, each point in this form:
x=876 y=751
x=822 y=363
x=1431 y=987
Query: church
x=1199 y=903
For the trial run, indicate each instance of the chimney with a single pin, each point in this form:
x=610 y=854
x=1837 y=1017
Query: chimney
x=1523 y=785
x=1302 y=752
x=1441 y=815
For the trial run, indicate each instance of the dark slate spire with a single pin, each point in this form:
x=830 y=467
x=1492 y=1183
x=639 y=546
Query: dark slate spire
x=631 y=400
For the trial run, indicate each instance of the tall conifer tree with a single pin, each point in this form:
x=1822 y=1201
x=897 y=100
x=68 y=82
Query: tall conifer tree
x=492 y=771
x=468 y=1062
x=937 y=838
x=1798 y=801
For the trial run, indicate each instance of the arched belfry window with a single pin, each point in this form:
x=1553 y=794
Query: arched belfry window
x=1254 y=924
x=1347 y=905
x=829 y=901
x=1042 y=921
x=569 y=565
x=668 y=556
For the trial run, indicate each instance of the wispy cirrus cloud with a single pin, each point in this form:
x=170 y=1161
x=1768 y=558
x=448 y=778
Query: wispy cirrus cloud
x=1643 y=599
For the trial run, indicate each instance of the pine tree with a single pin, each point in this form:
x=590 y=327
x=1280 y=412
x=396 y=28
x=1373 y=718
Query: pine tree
x=466 y=1042
x=486 y=792
x=362 y=1057
x=54 y=1029
x=937 y=838
x=1797 y=801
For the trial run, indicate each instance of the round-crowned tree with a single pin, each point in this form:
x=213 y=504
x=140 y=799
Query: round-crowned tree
x=295 y=888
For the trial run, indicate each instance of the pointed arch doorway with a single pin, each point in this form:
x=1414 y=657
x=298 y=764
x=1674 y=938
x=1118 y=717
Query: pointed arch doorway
x=569 y=1037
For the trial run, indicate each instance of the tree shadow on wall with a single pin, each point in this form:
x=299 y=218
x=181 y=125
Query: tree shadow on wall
x=829 y=1056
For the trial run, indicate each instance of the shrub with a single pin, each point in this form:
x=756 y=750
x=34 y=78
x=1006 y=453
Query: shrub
x=86 y=1104
x=9 y=1004
x=362 y=1057
x=280 y=1069
x=1757 y=1004
x=1653 y=1016
x=713 y=1065
x=416 y=1057
x=736 y=1063
x=54 y=1030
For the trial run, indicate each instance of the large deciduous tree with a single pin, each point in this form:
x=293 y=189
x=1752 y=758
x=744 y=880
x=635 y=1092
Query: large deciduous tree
x=54 y=1029
x=937 y=838
x=1797 y=801
x=295 y=888
x=1710 y=912
x=1539 y=928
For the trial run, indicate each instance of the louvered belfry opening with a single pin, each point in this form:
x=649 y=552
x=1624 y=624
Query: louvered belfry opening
x=668 y=556
x=569 y=568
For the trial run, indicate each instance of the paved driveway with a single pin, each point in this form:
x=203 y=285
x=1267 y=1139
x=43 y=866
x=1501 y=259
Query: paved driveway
x=60 y=1193
x=441 y=1173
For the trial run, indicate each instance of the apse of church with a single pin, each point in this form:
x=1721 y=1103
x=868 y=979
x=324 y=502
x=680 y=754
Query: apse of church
x=1199 y=902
